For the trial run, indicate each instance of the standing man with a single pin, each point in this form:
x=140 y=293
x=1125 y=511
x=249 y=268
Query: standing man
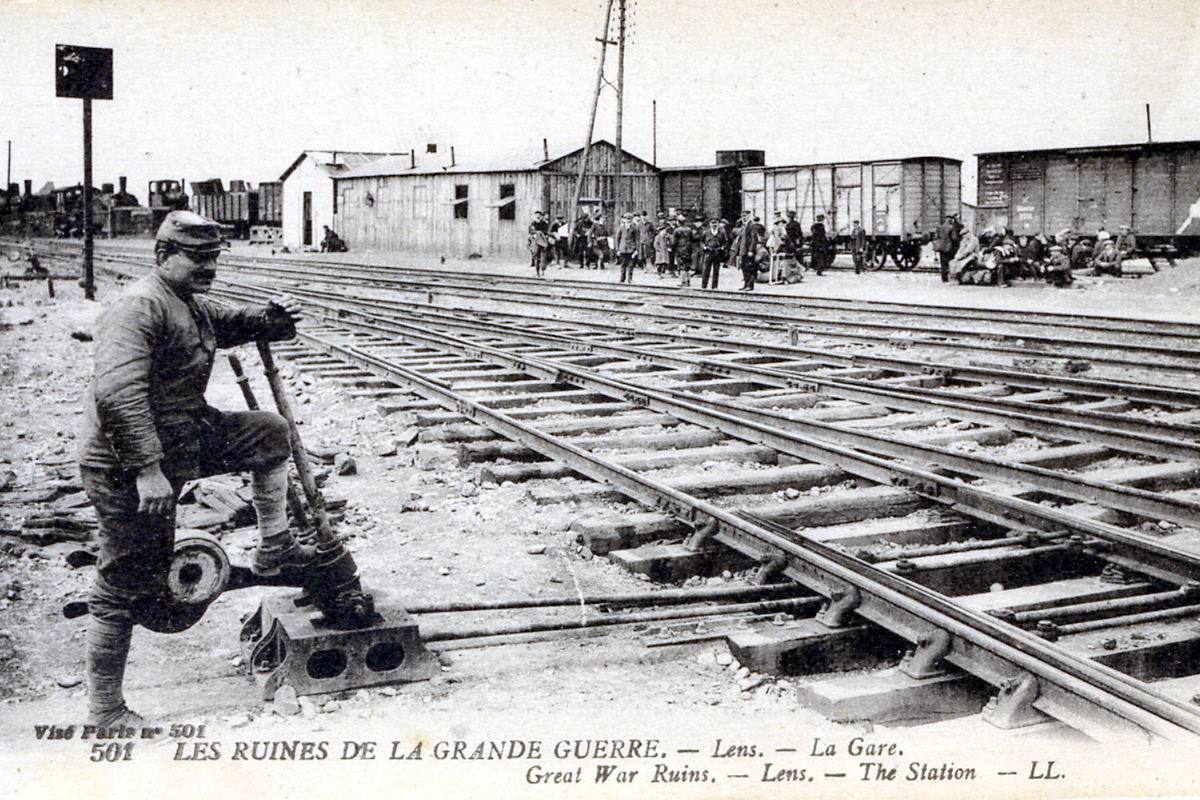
x=562 y=241
x=579 y=239
x=748 y=245
x=946 y=246
x=713 y=243
x=598 y=241
x=627 y=246
x=858 y=246
x=681 y=245
x=539 y=242
x=148 y=430
x=820 y=245
x=645 y=239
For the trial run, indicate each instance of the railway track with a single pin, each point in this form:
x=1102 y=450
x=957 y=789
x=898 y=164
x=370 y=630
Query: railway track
x=986 y=521
x=1141 y=349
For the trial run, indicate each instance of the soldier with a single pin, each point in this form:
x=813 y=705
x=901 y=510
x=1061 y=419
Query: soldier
x=539 y=242
x=748 y=244
x=627 y=246
x=598 y=245
x=713 y=243
x=945 y=245
x=858 y=246
x=148 y=430
x=820 y=245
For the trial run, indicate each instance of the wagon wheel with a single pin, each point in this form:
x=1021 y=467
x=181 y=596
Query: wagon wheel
x=876 y=256
x=906 y=257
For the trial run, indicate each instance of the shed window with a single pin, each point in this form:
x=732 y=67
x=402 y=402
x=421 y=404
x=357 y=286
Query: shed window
x=508 y=201
x=460 y=201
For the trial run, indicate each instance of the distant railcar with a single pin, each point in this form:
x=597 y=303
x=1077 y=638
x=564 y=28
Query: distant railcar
x=900 y=202
x=1154 y=188
x=241 y=207
x=164 y=196
x=706 y=192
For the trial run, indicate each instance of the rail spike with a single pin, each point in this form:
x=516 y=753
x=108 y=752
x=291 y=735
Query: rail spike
x=1013 y=707
x=842 y=603
x=925 y=660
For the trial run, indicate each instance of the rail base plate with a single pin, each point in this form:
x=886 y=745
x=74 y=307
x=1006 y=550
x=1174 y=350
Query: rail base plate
x=286 y=644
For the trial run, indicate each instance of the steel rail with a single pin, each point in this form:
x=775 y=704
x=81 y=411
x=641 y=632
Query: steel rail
x=796 y=437
x=831 y=328
x=1119 y=432
x=1141 y=392
x=1090 y=322
x=1086 y=695
x=1128 y=325
x=1077 y=691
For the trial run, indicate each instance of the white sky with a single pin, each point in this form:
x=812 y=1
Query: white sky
x=236 y=89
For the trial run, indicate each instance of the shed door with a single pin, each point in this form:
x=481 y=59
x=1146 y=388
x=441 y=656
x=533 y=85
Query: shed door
x=308 y=222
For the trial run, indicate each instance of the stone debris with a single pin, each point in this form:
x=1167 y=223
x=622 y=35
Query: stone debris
x=345 y=465
x=285 y=704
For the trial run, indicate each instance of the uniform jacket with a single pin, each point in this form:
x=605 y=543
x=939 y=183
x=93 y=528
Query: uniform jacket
x=858 y=239
x=153 y=356
x=945 y=238
x=682 y=241
x=713 y=241
x=795 y=234
x=662 y=246
x=752 y=238
x=627 y=238
x=819 y=240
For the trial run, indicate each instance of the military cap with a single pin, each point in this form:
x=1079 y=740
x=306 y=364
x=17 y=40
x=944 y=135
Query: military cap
x=190 y=231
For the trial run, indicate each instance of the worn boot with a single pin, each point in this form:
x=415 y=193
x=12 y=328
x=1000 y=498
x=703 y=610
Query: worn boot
x=107 y=652
x=277 y=548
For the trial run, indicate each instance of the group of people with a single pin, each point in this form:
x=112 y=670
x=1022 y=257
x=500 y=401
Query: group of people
x=684 y=248
x=996 y=257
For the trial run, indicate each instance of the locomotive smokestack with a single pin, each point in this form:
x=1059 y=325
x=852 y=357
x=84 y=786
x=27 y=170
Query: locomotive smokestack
x=122 y=181
x=28 y=186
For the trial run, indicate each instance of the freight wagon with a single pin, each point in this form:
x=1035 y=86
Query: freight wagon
x=242 y=208
x=708 y=191
x=899 y=201
x=1154 y=188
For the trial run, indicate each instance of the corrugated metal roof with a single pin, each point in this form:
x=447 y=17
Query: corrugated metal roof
x=525 y=159
x=335 y=162
x=518 y=161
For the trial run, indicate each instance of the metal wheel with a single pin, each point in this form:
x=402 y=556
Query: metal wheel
x=876 y=256
x=906 y=258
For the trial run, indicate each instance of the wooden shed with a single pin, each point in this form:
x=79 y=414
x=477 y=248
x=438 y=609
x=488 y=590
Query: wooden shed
x=1154 y=188
x=305 y=196
x=470 y=207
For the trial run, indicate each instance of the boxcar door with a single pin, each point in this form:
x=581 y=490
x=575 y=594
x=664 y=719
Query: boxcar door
x=1152 y=200
x=1028 y=196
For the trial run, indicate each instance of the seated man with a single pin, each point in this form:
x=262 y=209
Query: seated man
x=1106 y=258
x=148 y=430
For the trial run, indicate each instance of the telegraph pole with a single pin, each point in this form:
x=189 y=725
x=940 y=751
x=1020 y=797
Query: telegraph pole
x=619 y=183
x=587 y=143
